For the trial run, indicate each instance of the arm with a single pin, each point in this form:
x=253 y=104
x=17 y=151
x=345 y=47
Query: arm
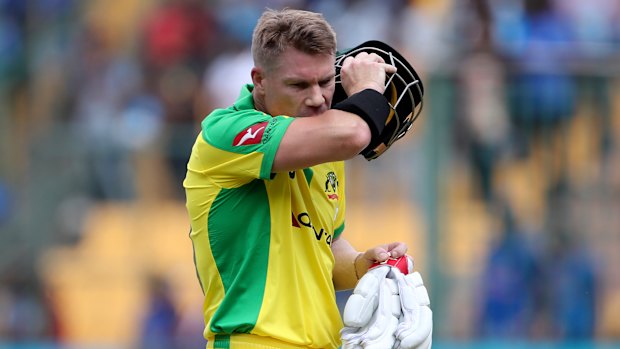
x=332 y=136
x=343 y=132
x=350 y=265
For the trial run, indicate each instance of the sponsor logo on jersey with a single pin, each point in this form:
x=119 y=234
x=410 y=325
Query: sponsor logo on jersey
x=303 y=219
x=295 y=222
x=251 y=135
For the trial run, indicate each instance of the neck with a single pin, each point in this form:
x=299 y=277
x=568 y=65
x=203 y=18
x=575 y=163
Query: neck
x=259 y=103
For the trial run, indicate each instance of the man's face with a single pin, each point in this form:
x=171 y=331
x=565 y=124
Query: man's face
x=299 y=85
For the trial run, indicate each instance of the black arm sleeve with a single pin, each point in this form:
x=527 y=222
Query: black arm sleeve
x=371 y=106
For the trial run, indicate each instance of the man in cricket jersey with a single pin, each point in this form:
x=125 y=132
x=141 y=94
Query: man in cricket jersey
x=265 y=189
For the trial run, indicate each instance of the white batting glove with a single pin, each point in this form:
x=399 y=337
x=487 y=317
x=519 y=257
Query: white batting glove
x=389 y=308
x=365 y=298
x=376 y=331
x=416 y=324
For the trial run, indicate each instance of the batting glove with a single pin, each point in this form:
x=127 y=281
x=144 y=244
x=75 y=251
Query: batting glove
x=389 y=308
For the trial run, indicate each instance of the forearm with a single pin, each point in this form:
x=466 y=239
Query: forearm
x=333 y=136
x=340 y=133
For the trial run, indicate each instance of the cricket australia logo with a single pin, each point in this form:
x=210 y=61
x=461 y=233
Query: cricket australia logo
x=331 y=186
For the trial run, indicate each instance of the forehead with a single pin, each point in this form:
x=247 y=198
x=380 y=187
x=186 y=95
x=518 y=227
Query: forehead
x=294 y=64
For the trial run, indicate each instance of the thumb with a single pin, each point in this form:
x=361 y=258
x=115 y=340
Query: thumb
x=377 y=254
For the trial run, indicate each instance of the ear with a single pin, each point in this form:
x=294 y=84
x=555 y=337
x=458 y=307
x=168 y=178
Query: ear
x=258 y=79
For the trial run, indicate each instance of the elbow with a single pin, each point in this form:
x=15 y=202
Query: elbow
x=357 y=138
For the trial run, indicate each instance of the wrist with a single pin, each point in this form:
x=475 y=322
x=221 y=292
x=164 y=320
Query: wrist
x=368 y=86
x=372 y=107
x=358 y=268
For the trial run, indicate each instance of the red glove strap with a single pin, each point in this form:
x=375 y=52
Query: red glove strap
x=400 y=263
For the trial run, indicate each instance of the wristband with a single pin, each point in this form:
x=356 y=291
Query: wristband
x=372 y=107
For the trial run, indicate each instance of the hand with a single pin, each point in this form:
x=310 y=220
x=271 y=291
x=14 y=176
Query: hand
x=364 y=71
x=379 y=254
x=388 y=309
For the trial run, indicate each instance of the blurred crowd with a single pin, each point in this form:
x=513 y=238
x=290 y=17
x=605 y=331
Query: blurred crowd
x=86 y=98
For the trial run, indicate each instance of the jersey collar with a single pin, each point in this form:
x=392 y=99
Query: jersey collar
x=245 y=100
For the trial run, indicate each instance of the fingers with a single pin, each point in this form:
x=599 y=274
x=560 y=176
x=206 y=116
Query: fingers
x=389 y=68
x=382 y=253
x=397 y=249
x=348 y=61
x=365 y=57
x=377 y=254
x=373 y=57
x=364 y=70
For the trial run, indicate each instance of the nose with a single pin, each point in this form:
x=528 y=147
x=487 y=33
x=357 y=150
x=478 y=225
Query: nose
x=316 y=98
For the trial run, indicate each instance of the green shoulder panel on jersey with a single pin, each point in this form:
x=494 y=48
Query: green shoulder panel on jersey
x=221 y=127
x=241 y=258
x=224 y=126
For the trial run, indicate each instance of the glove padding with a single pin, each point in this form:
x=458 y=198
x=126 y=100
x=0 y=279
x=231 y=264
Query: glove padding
x=389 y=308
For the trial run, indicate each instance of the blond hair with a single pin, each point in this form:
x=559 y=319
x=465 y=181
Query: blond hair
x=278 y=30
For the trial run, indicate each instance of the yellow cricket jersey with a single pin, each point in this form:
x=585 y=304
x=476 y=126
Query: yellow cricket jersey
x=262 y=240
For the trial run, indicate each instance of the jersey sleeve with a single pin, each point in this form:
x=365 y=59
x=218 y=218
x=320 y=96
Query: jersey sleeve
x=246 y=141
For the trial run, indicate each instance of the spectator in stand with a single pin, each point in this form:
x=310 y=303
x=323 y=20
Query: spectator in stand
x=538 y=43
x=510 y=285
x=160 y=321
x=571 y=277
x=179 y=39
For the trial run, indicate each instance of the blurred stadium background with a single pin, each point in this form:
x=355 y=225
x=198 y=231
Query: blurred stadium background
x=507 y=190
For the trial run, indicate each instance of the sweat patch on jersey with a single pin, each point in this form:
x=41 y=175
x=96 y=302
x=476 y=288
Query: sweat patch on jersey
x=251 y=135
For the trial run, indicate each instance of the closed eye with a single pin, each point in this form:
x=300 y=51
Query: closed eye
x=326 y=82
x=299 y=85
